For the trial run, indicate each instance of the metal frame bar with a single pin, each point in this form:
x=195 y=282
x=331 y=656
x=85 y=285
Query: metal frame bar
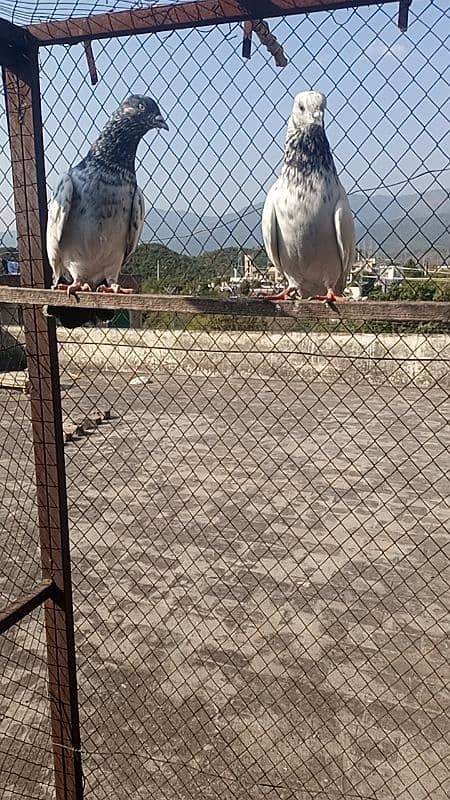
x=14 y=612
x=23 y=107
x=394 y=311
x=179 y=15
x=14 y=45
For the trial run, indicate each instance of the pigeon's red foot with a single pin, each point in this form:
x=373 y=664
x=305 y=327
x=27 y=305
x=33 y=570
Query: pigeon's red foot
x=73 y=288
x=329 y=298
x=114 y=289
x=286 y=294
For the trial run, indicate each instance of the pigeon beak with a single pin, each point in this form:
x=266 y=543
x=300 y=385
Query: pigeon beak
x=318 y=115
x=160 y=122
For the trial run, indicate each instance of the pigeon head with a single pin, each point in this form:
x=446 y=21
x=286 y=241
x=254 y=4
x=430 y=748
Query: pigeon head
x=117 y=144
x=139 y=113
x=307 y=150
x=308 y=109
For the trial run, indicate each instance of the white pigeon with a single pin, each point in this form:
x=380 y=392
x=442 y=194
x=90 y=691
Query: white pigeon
x=96 y=215
x=307 y=223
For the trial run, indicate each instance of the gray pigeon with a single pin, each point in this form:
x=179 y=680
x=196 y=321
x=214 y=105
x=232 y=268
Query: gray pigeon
x=307 y=223
x=96 y=215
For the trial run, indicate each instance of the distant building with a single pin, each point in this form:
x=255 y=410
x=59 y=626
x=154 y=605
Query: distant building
x=273 y=274
x=251 y=271
x=437 y=271
x=234 y=283
x=389 y=274
x=365 y=274
x=363 y=265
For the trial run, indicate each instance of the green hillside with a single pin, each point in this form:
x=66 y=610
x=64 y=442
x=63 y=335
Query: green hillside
x=181 y=273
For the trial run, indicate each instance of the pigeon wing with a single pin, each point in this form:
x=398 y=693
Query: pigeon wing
x=136 y=224
x=345 y=235
x=270 y=228
x=58 y=213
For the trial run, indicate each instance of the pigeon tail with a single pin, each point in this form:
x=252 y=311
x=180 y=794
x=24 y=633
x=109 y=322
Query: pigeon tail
x=104 y=315
x=71 y=317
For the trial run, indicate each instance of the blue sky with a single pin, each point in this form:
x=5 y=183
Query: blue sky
x=388 y=104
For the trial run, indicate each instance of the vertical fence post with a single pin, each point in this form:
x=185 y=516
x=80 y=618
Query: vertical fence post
x=21 y=82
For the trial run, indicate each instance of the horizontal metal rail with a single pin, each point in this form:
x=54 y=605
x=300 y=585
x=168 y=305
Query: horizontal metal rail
x=179 y=15
x=16 y=611
x=394 y=311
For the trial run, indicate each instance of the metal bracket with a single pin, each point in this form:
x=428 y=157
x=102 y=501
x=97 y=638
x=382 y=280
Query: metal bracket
x=403 y=10
x=15 y=46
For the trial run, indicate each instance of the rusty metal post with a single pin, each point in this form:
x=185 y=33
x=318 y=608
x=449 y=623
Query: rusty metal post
x=21 y=82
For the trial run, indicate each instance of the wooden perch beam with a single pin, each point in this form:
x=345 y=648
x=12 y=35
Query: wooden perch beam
x=414 y=311
x=178 y=15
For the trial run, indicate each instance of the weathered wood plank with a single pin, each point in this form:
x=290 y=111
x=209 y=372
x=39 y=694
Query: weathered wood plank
x=413 y=311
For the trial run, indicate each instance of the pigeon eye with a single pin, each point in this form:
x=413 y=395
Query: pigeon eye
x=141 y=106
x=302 y=108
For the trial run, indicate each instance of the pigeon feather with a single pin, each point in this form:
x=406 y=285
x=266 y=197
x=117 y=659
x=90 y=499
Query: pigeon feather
x=97 y=212
x=307 y=222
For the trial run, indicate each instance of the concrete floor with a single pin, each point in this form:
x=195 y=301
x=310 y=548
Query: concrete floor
x=261 y=586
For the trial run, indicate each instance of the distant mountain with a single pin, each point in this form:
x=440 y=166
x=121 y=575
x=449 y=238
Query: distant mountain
x=388 y=222
x=415 y=205
x=192 y=234
x=393 y=227
x=419 y=235
x=408 y=224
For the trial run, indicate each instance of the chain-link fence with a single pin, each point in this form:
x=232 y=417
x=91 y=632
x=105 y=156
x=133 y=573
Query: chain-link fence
x=25 y=743
x=387 y=120
x=258 y=504
x=261 y=561
x=259 y=533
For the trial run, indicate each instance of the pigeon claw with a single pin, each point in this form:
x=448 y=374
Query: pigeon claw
x=329 y=298
x=78 y=287
x=287 y=294
x=114 y=288
x=73 y=288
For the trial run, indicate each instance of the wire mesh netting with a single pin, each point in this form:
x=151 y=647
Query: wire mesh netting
x=258 y=512
x=29 y=11
x=205 y=181
x=260 y=553
x=26 y=762
x=20 y=562
x=25 y=744
x=8 y=241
